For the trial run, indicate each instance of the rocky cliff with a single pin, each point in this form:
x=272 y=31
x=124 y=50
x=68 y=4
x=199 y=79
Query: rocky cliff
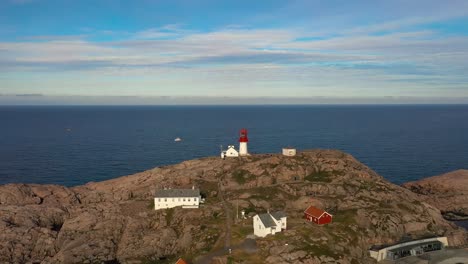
x=114 y=221
x=447 y=192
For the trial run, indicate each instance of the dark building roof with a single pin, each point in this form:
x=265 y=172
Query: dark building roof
x=278 y=215
x=267 y=220
x=178 y=193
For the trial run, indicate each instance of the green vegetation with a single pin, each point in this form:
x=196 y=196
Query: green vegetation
x=151 y=204
x=278 y=236
x=345 y=217
x=263 y=193
x=215 y=215
x=242 y=231
x=242 y=176
x=169 y=215
x=240 y=256
x=318 y=176
x=367 y=185
x=319 y=250
x=404 y=207
x=160 y=260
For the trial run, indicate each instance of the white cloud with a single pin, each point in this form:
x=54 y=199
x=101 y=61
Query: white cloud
x=175 y=61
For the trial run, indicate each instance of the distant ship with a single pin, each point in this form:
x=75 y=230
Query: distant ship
x=177 y=139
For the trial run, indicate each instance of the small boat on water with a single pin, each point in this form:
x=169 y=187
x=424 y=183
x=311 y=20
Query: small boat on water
x=177 y=139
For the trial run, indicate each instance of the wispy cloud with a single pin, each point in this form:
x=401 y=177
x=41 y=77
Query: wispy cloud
x=372 y=58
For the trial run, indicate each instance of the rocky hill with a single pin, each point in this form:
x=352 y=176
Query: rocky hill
x=114 y=221
x=447 y=192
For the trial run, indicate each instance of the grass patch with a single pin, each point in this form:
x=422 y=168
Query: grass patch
x=243 y=257
x=215 y=215
x=278 y=236
x=243 y=231
x=151 y=204
x=169 y=215
x=242 y=176
x=321 y=176
x=404 y=207
x=345 y=216
x=264 y=193
x=160 y=260
x=319 y=250
x=367 y=185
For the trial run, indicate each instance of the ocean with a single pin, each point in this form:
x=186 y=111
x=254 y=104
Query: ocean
x=72 y=145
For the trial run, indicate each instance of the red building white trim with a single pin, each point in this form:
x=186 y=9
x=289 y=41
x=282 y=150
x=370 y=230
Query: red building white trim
x=317 y=215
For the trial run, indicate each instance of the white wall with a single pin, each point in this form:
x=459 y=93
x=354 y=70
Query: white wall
x=284 y=222
x=289 y=152
x=259 y=228
x=190 y=202
x=243 y=151
x=231 y=152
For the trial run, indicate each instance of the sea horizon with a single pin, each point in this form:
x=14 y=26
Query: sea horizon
x=72 y=145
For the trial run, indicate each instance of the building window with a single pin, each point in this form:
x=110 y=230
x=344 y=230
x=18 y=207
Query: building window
x=189 y=199
x=165 y=199
x=159 y=199
x=173 y=199
x=184 y=199
x=179 y=199
x=195 y=199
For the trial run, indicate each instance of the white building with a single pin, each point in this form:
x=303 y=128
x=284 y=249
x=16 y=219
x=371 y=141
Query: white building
x=290 y=152
x=411 y=248
x=169 y=198
x=230 y=152
x=269 y=224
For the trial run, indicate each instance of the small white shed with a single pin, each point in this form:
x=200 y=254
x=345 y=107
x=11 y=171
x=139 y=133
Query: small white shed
x=230 y=152
x=290 y=152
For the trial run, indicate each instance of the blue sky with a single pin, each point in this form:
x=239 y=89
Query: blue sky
x=106 y=51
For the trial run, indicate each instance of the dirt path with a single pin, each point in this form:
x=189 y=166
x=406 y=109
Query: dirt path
x=227 y=241
x=227 y=233
x=227 y=212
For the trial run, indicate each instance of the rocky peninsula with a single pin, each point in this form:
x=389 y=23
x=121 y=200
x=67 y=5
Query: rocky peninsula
x=447 y=192
x=114 y=221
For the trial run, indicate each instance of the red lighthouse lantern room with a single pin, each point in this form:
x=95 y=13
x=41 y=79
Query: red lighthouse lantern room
x=243 y=135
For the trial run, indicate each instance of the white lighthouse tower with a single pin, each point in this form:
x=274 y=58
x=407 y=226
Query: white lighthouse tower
x=243 y=143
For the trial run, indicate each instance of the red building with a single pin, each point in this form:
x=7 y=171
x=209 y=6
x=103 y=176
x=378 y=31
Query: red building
x=181 y=261
x=318 y=216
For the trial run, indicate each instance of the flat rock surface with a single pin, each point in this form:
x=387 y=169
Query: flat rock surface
x=447 y=192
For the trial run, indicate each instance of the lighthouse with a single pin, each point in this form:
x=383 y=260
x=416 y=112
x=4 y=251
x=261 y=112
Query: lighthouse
x=243 y=143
